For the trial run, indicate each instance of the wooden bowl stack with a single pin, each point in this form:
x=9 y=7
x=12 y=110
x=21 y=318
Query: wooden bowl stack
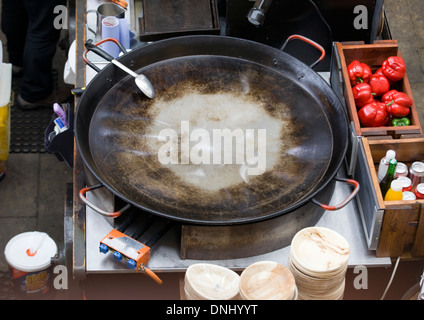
x=318 y=260
x=267 y=280
x=205 y=281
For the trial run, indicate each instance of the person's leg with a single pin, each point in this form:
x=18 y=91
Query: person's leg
x=14 y=25
x=40 y=46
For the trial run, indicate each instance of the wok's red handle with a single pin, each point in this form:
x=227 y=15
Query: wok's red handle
x=308 y=41
x=115 y=214
x=90 y=46
x=346 y=201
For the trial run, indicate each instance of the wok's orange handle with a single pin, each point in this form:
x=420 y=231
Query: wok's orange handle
x=90 y=46
x=308 y=41
x=122 y=3
x=83 y=191
x=346 y=201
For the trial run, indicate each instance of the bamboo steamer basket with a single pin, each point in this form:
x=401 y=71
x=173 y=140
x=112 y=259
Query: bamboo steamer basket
x=204 y=281
x=318 y=261
x=267 y=280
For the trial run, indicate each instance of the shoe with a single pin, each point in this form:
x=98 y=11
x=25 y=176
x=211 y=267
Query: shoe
x=22 y=104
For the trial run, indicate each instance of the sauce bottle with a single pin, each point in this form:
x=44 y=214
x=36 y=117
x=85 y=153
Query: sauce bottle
x=388 y=178
x=384 y=164
x=395 y=191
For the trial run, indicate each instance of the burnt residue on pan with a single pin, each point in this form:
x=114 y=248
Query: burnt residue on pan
x=211 y=93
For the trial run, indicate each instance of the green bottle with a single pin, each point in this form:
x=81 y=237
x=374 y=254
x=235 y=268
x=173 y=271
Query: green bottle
x=388 y=178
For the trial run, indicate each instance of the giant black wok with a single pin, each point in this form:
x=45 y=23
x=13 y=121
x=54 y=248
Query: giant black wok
x=208 y=83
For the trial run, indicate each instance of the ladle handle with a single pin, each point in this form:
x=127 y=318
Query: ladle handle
x=343 y=203
x=308 y=41
x=115 y=214
x=90 y=46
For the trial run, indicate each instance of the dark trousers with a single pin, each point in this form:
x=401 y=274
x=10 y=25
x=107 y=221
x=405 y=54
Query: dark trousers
x=31 y=43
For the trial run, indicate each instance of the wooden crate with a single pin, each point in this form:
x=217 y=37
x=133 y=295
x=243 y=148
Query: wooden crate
x=374 y=55
x=402 y=231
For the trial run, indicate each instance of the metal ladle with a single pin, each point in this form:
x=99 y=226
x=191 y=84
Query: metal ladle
x=140 y=80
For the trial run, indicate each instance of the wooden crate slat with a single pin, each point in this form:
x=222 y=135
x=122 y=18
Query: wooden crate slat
x=397 y=230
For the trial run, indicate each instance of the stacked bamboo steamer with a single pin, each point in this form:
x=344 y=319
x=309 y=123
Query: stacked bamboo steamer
x=267 y=280
x=204 y=281
x=318 y=261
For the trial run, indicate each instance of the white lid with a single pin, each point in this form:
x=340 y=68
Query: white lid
x=400 y=168
x=43 y=246
x=110 y=21
x=418 y=166
x=406 y=182
x=390 y=154
x=396 y=185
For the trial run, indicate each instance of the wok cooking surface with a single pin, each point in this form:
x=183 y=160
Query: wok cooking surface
x=127 y=137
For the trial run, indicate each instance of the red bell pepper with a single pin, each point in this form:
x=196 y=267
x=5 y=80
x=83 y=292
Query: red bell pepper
x=398 y=103
x=394 y=68
x=379 y=84
x=362 y=94
x=358 y=72
x=374 y=114
x=380 y=72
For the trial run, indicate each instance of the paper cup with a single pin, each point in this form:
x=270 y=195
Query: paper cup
x=110 y=29
x=204 y=281
x=267 y=280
